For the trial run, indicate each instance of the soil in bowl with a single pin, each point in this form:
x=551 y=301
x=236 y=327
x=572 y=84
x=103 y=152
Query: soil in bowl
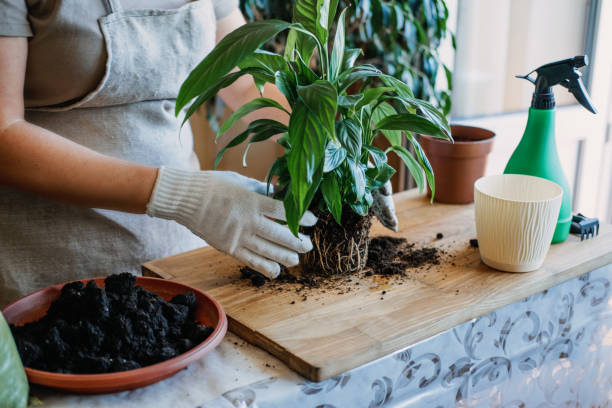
x=92 y=330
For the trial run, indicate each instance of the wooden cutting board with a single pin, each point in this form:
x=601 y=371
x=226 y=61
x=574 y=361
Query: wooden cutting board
x=329 y=333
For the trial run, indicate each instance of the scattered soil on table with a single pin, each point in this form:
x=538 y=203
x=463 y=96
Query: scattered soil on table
x=392 y=256
x=388 y=258
x=474 y=243
x=123 y=327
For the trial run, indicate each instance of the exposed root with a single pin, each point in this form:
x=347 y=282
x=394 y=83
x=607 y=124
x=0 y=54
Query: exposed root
x=338 y=250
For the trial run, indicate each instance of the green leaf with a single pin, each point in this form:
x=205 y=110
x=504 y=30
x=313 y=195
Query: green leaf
x=292 y=208
x=359 y=72
x=449 y=77
x=286 y=83
x=378 y=156
x=259 y=136
x=413 y=166
x=349 y=58
x=225 y=81
x=359 y=208
x=266 y=60
x=358 y=176
x=334 y=156
x=409 y=122
x=278 y=167
x=291 y=212
x=247 y=108
x=322 y=101
x=13 y=382
x=306 y=76
x=330 y=190
x=371 y=95
x=307 y=139
x=284 y=141
x=377 y=177
x=291 y=46
x=430 y=112
x=314 y=187
x=349 y=101
x=257 y=126
x=348 y=133
x=234 y=142
x=422 y=157
x=337 y=56
x=314 y=16
x=382 y=111
x=228 y=53
x=333 y=8
x=401 y=88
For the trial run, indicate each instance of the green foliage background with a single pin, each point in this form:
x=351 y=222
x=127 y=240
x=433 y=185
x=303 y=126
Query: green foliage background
x=400 y=37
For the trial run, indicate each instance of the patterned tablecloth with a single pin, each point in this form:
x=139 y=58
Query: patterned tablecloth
x=552 y=349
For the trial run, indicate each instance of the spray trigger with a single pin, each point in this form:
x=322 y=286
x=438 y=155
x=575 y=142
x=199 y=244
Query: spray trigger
x=564 y=73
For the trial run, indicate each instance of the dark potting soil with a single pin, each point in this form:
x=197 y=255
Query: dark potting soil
x=474 y=243
x=123 y=327
x=392 y=256
x=386 y=256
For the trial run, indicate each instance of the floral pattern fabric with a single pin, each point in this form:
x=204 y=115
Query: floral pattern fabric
x=552 y=349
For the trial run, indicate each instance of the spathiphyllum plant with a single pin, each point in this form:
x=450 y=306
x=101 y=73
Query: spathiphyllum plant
x=329 y=163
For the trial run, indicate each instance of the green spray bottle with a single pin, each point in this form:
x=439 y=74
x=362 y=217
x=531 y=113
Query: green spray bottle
x=536 y=154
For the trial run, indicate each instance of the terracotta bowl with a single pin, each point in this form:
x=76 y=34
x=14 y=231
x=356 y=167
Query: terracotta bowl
x=209 y=312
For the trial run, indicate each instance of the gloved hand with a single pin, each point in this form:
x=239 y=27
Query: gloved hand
x=233 y=214
x=384 y=208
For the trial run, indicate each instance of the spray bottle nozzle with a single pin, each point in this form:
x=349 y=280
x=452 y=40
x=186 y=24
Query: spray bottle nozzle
x=564 y=73
x=580 y=61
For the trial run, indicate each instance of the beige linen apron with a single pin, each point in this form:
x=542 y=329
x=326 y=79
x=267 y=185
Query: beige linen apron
x=130 y=115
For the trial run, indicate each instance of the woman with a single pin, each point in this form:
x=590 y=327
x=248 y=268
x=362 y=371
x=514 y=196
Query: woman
x=89 y=143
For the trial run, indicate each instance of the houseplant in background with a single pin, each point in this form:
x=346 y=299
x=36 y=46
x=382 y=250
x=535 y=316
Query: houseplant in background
x=330 y=164
x=401 y=38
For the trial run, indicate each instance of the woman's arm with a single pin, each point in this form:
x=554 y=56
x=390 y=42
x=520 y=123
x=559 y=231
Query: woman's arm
x=39 y=161
x=244 y=90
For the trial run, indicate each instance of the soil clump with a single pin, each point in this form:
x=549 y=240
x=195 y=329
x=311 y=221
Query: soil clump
x=122 y=327
x=392 y=256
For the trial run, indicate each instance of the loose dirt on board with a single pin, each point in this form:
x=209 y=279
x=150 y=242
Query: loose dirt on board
x=391 y=261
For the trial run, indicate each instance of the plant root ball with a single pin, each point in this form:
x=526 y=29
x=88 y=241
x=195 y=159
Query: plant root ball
x=337 y=249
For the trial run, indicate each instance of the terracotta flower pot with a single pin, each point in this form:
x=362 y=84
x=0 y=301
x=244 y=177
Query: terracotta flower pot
x=457 y=166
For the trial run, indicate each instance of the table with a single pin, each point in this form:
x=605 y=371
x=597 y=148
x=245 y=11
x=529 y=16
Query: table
x=548 y=349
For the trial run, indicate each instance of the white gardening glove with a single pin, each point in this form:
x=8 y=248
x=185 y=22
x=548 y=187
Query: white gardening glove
x=383 y=206
x=232 y=213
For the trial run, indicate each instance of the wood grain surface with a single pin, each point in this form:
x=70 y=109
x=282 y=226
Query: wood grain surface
x=329 y=333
